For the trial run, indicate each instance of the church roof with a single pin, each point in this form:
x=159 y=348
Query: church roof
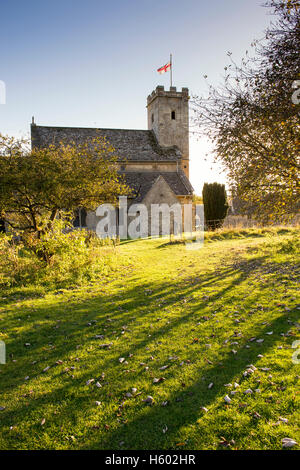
x=142 y=182
x=133 y=145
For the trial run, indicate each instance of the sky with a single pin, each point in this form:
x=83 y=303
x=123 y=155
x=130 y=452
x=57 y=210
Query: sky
x=93 y=63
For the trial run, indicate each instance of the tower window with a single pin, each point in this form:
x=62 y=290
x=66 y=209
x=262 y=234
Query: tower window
x=152 y=117
x=173 y=115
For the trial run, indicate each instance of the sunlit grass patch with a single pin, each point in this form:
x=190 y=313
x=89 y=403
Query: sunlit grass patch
x=201 y=313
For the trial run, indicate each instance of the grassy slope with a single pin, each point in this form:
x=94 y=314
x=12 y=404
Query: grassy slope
x=195 y=305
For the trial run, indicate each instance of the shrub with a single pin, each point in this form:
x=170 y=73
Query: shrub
x=76 y=257
x=215 y=205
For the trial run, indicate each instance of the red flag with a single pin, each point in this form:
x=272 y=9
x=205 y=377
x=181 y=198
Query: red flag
x=164 y=68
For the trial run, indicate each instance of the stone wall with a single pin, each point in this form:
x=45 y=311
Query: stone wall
x=145 y=166
x=168 y=117
x=160 y=193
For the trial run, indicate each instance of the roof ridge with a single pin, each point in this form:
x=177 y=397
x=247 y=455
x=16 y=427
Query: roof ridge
x=92 y=128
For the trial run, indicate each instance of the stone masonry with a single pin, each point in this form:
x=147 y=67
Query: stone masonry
x=154 y=162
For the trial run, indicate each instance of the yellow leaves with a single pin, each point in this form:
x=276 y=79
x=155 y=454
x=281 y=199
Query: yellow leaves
x=36 y=183
x=292 y=4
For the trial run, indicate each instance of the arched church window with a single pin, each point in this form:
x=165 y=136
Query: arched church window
x=83 y=215
x=80 y=218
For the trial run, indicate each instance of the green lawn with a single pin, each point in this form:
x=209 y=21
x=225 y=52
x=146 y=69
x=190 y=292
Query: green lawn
x=206 y=315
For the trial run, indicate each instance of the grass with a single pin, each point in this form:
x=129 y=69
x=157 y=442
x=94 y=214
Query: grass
x=196 y=312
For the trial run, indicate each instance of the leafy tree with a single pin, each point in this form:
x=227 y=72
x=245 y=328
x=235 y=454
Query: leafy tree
x=197 y=199
x=215 y=204
x=253 y=122
x=41 y=185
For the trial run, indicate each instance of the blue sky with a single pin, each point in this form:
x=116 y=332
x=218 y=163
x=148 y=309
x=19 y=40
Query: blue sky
x=93 y=62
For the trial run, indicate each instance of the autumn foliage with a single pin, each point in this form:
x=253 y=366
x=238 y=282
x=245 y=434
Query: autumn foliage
x=254 y=123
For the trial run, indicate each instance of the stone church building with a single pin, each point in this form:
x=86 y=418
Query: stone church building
x=156 y=165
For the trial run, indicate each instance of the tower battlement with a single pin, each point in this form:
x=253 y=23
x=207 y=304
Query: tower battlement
x=172 y=93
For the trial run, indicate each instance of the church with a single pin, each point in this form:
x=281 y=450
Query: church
x=155 y=162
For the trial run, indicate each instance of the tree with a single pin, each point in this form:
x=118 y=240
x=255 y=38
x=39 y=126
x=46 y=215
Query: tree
x=197 y=199
x=39 y=186
x=215 y=204
x=253 y=122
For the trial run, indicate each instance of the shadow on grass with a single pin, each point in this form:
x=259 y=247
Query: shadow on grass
x=184 y=408
x=145 y=428
x=22 y=293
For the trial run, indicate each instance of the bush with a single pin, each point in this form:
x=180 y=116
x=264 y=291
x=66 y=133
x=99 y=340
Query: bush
x=215 y=205
x=76 y=257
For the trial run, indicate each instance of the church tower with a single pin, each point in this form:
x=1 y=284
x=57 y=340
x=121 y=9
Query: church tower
x=168 y=117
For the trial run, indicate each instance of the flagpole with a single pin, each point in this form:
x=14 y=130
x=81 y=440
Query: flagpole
x=171 y=68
